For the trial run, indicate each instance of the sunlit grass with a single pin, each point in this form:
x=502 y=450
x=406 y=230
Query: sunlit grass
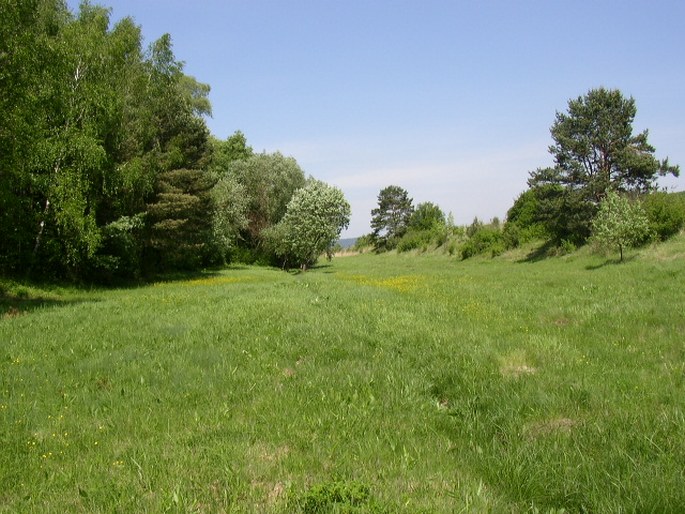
x=372 y=384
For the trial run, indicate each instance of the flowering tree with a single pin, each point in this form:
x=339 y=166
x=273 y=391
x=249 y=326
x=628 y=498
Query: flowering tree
x=315 y=216
x=619 y=222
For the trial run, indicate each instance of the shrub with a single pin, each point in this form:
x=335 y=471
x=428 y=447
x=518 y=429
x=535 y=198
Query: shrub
x=497 y=248
x=566 y=247
x=512 y=235
x=666 y=213
x=516 y=235
x=525 y=211
x=474 y=227
x=414 y=239
x=484 y=239
x=439 y=234
x=120 y=254
x=523 y=221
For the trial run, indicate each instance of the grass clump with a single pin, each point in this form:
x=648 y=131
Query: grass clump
x=338 y=496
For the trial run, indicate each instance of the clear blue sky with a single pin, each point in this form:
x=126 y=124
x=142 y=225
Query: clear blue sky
x=452 y=100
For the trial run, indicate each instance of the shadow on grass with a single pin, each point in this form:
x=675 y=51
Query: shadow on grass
x=324 y=268
x=23 y=296
x=610 y=262
x=182 y=276
x=12 y=305
x=542 y=252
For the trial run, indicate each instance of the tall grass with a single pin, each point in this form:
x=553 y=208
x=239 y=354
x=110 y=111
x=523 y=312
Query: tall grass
x=373 y=384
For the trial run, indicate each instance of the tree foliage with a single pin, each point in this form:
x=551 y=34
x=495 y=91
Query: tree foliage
x=426 y=216
x=485 y=239
x=89 y=122
x=666 y=213
x=269 y=181
x=619 y=223
x=234 y=148
x=523 y=220
x=390 y=220
x=107 y=168
x=229 y=215
x=179 y=228
x=314 y=219
x=594 y=150
x=426 y=227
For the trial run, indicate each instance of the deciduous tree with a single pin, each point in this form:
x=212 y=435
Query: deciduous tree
x=315 y=216
x=426 y=216
x=88 y=123
x=234 y=148
x=619 y=223
x=269 y=181
x=229 y=215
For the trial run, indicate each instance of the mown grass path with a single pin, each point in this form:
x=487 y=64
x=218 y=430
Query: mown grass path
x=373 y=384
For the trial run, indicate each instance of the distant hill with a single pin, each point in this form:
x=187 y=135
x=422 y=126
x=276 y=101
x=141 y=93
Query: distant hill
x=347 y=242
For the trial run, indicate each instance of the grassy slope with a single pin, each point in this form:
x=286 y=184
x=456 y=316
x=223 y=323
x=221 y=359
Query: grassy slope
x=428 y=384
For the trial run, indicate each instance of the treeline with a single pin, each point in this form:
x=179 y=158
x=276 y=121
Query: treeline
x=619 y=223
x=108 y=170
x=601 y=189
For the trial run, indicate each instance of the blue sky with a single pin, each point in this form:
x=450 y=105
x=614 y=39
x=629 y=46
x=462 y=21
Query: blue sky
x=451 y=100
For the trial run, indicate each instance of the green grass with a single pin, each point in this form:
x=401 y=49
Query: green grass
x=394 y=383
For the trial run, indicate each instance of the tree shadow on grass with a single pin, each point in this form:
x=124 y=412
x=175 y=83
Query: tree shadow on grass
x=23 y=296
x=323 y=268
x=326 y=267
x=610 y=262
x=12 y=306
x=542 y=252
x=180 y=276
x=183 y=276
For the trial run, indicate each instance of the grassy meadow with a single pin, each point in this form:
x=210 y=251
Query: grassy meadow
x=389 y=383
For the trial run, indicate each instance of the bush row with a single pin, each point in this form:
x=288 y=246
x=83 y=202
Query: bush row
x=665 y=212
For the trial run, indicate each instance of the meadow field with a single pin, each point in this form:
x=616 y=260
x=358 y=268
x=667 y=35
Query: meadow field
x=373 y=383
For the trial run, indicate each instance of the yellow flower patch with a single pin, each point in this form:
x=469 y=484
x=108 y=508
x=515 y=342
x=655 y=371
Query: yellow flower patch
x=402 y=283
x=213 y=281
x=208 y=281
